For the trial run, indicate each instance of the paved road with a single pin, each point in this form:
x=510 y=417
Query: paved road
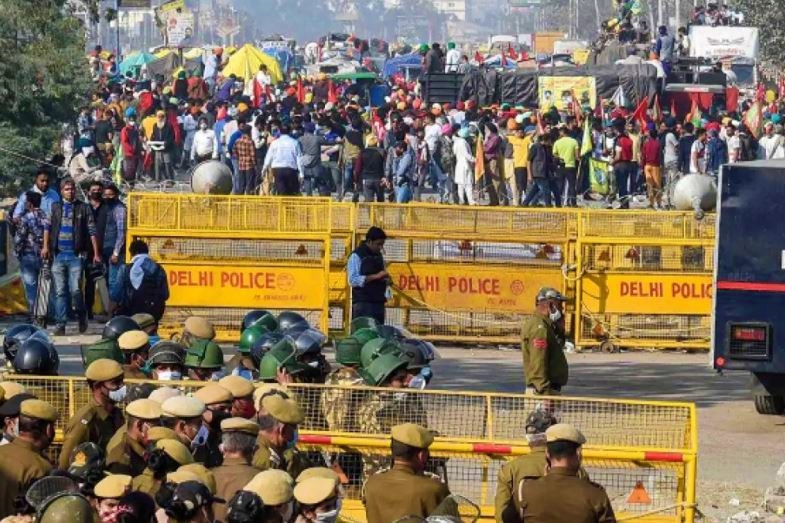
x=739 y=450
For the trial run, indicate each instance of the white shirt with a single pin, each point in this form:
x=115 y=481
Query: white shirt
x=452 y=60
x=283 y=153
x=204 y=143
x=734 y=148
x=698 y=157
x=767 y=145
x=671 y=151
x=263 y=78
x=432 y=134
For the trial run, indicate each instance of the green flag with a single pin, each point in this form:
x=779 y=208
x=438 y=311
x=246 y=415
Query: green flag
x=586 y=141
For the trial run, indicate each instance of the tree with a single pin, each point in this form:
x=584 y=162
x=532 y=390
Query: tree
x=44 y=78
x=763 y=14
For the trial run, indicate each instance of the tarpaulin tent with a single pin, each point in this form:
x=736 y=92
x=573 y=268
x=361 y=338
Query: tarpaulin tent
x=393 y=65
x=246 y=61
x=134 y=63
x=171 y=63
x=284 y=57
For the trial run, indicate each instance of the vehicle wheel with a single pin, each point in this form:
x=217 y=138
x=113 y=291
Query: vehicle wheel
x=608 y=347
x=770 y=404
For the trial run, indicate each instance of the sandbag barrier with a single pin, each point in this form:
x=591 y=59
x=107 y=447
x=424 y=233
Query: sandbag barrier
x=635 y=279
x=643 y=452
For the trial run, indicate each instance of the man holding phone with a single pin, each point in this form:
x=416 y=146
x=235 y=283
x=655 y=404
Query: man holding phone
x=542 y=343
x=368 y=277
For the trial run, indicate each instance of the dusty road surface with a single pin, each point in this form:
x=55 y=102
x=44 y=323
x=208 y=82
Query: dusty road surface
x=739 y=450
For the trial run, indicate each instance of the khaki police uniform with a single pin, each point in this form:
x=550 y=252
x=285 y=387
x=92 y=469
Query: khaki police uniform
x=561 y=496
x=130 y=342
x=93 y=422
x=267 y=457
x=544 y=363
x=508 y=508
x=400 y=491
x=20 y=462
x=125 y=455
x=147 y=482
x=234 y=473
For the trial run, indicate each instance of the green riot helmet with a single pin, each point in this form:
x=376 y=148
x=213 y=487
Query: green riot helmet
x=204 y=354
x=375 y=348
x=365 y=335
x=266 y=321
x=347 y=351
x=67 y=507
x=250 y=336
x=282 y=355
x=362 y=322
x=381 y=369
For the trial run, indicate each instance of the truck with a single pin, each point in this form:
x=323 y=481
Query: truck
x=735 y=47
x=748 y=329
x=543 y=42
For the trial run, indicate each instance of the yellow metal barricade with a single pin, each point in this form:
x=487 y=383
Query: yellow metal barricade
x=342 y=235
x=644 y=279
x=225 y=255
x=469 y=273
x=632 y=445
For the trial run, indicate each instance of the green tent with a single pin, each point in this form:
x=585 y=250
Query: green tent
x=134 y=63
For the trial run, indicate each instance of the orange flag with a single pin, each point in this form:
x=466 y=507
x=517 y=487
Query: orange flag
x=479 y=156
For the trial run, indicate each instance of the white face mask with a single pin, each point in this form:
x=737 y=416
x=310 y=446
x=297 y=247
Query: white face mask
x=328 y=517
x=118 y=395
x=313 y=364
x=203 y=126
x=15 y=429
x=169 y=375
x=555 y=314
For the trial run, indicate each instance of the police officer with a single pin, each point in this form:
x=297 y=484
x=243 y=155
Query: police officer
x=561 y=496
x=108 y=491
x=337 y=403
x=218 y=402
x=368 y=277
x=404 y=490
x=100 y=418
x=196 y=328
x=167 y=361
x=508 y=509
x=148 y=324
x=238 y=439
x=165 y=456
x=318 y=500
x=183 y=414
x=21 y=460
x=125 y=453
x=9 y=415
x=544 y=363
x=242 y=396
x=278 y=420
x=204 y=360
x=276 y=490
x=135 y=345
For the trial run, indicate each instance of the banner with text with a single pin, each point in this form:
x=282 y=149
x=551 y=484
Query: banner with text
x=647 y=293
x=470 y=287
x=246 y=287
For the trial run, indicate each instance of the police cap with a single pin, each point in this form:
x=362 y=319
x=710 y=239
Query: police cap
x=238 y=386
x=239 y=425
x=284 y=410
x=38 y=409
x=159 y=433
x=200 y=327
x=182 y=407
x=549 y=293
x=144 y=319
x=315 y=490
x=162 y=394
x=175 y=450
x=103 y=369
x=204 y=474
x=213 y=393
x=133 y=340
x=11 y=389
x=564 y=432
x=317 y=472
x=112 y=487
x=275 y=487
x=413 y=435
x=144 y=409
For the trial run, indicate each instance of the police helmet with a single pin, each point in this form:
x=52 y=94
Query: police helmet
x=67 y=507
x=266 y=342
x=250 y=336
x=204 y=354
x=289 y=319
x=36 y=356
x=362 y=322
x=245 y=507
x=282 y=355
x=17 y=334
x=267 y=321
x=166 y=351
x=365 y=335
x=309 y=341
x=117 y=326
x=86 y=458
x=375 y=348
x=251 y=317
x=391 y=332
x=416 y=353
x=380 y=369
x=347 y=351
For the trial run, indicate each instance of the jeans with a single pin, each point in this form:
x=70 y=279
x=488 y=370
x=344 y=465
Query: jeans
x=287 y=181
x=539 y=189
x=372 y=191
x=568 y=179
x=30 y=266
x=236 y=176
x=403 y=194
x=348 y=177
x=624 y=171
x=67 y=276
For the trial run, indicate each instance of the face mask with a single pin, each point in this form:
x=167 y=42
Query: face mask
x=95 y=196
x=328 y=517
x=118 y=395
x=276 y=133
x=203 y=126
x=313 y=364
x=169 y=375
x=200 y=438
x=555 y=314
x=292 y=442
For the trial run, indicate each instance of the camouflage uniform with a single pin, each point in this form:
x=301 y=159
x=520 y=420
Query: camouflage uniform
x=337 y=404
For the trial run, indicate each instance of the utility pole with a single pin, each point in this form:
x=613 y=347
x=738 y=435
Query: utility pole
x=117 y=26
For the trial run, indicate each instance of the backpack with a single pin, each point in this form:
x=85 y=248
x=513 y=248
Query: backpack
x=149 y=297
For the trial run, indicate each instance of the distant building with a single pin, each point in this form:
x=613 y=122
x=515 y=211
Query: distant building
x=451 y=8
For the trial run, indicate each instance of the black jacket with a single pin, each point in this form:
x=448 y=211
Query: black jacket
x=83 y=226
x=370 y=263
